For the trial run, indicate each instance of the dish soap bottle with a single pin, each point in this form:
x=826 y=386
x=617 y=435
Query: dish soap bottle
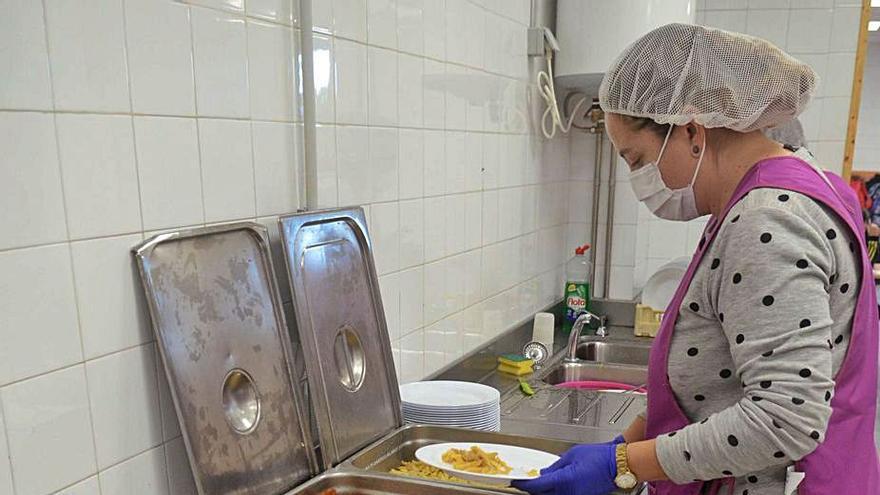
x=577 y=287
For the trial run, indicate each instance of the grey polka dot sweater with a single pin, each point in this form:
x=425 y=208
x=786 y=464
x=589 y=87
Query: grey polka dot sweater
x=760 y=335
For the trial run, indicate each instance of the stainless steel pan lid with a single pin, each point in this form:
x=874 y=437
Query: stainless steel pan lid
x=221 y=331
x=341 y=325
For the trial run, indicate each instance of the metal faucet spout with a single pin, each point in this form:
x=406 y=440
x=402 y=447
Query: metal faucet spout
x=575 y=335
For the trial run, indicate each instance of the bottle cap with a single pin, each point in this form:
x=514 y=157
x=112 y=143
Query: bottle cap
x=581 y=250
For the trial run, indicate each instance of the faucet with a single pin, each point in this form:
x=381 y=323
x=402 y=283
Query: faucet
x=575 y=335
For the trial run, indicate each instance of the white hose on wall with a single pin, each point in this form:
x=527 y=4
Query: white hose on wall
x=548 y=92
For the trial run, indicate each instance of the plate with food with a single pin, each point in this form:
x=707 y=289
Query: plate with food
x=487 y=463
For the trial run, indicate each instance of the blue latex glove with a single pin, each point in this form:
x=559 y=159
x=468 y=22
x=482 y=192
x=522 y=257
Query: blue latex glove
x=618 y=439
x=583 y=470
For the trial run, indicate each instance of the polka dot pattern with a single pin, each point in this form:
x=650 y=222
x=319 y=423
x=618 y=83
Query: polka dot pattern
x=756 y=298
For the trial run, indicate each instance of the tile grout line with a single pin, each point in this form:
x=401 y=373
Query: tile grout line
x=137 y=170
x=147 y=114
x=5 y=432
x=82 y=362
x=283 y=122
x=192 y=48
x=68 y=243
x=247 y=49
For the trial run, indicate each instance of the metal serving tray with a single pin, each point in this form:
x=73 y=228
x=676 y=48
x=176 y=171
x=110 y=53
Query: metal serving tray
x=401 y=445
x=349 y=483
x=222 y=336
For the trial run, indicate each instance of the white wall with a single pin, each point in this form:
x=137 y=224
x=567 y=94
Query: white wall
x=822 y=33
x=867 y=154
x=121 y=118
x=424 y=119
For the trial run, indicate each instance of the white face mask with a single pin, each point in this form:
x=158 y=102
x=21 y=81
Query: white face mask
x=670 y=204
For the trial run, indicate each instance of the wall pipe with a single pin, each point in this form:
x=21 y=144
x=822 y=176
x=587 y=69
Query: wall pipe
x=609 y=221
x=308 y=186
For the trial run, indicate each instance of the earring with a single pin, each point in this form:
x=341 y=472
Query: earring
x=696 y=149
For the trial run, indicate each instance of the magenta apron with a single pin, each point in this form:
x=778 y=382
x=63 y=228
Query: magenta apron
x=846 y=461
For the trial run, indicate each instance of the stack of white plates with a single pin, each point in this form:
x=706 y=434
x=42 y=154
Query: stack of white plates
x=449 y=403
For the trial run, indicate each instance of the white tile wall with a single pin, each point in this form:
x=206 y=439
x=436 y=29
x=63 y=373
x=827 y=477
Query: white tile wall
x=29 y=148
x=227 y=169
x=98 y=169
x=169 y=171
x=221 y=63
x=24 y=57
x=424 y=136
x=108 y=294
x=159 y=57
x=48 y=423
x=87 y=55
x=119 y=118
x=45 y=335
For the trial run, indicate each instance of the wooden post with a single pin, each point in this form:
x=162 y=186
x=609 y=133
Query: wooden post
x=856 y=98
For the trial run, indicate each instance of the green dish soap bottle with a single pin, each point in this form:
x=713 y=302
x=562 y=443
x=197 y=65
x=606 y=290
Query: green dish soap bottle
x=577 y=287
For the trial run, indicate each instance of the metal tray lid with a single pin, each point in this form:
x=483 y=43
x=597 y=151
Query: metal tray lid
x=220 y=326
x=341 y=325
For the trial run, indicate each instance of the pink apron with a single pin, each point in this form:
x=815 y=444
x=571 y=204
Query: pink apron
x=846 y=461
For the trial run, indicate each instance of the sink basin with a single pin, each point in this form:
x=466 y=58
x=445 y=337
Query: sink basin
x=614 y=352
x=586 y=371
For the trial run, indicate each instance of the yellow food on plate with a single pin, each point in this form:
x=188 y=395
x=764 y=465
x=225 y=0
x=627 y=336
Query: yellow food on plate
x=476 y=460
x=534 y=472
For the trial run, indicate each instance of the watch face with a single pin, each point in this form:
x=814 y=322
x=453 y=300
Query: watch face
x=626 y=481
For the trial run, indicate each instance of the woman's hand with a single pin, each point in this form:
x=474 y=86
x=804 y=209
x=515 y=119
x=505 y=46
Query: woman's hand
x=584 y=470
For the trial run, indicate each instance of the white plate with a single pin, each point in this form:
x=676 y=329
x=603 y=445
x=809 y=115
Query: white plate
x=489 y=414
x=661 y=286
x=521 y=459
x=488 y=424
x=453 y=421
x=448 y=410
x=448 y=394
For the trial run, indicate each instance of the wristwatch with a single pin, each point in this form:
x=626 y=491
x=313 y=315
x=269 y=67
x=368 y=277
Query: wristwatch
x=625 y=479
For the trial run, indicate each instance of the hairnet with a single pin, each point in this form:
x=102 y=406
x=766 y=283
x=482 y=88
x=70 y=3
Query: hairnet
x=681 y=73
x=790 y=133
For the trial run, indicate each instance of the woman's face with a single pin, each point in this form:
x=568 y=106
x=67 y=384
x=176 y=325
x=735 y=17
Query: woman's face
x=640 y=147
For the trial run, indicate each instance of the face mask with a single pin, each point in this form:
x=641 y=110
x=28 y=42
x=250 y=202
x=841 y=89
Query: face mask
x=670 y=204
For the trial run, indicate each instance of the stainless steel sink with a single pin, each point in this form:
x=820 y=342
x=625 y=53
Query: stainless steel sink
x=633 y=353
x=584 y=371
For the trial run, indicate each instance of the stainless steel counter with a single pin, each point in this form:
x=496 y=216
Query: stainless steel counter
x=579 y=416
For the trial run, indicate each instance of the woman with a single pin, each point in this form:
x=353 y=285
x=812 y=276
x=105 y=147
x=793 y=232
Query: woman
x=764 y=373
